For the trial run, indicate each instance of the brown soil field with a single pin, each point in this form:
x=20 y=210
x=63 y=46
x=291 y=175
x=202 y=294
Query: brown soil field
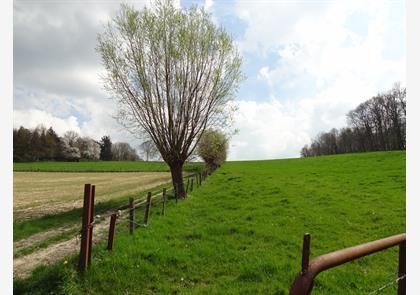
x=39 y=193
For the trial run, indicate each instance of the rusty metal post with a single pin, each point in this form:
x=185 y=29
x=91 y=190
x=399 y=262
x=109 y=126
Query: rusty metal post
x=132 y=217
x=84 y=244
x=306 y=252
x=163 y=201
x=111 y=232
x=401 y=270
x=303 y=282
x=147 y=208
x=91 y=223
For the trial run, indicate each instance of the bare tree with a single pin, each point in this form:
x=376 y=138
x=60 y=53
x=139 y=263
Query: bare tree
x=305 y=151
x=148 y=149
x=173 y=74
x=122 y=151
x=376 y=124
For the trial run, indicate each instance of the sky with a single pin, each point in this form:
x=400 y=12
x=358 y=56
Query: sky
x=307 y=63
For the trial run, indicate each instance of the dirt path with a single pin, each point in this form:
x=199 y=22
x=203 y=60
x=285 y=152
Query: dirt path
x=23 y=266
x=42 y=236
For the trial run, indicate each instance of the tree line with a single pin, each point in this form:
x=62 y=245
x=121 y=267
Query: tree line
x=377 y=124
x=42 y=144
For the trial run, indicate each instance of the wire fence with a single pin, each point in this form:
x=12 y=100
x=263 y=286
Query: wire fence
x=127 y=212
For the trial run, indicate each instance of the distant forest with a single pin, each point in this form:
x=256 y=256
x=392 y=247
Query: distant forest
x=41 y=144
x=377 y=124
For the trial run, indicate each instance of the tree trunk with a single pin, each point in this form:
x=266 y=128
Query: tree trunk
x=177 y=180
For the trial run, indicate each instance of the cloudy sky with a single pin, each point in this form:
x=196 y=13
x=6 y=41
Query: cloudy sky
x=307 y=64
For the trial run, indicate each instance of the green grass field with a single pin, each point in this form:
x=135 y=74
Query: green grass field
x=100 y=166
x=241 y=232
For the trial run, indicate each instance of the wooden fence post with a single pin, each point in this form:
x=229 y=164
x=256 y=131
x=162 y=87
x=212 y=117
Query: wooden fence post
x=111 y=232
x=163 y=201
x=147 y=208
x=196 y=178
x=85 y=233
x=188 y=185
x=132 y=217
x=91 y=223
x=192 y=184
x=199 y=177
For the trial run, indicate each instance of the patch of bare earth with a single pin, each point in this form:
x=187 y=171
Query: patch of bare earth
x=24 y=265
x=39 y=237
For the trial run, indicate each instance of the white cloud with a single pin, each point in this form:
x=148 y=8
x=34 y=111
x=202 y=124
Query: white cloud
x=208 y=4
x=100 y=120
x=177 y=4
x=267 y=130
x=31 y=118
x=313 y=42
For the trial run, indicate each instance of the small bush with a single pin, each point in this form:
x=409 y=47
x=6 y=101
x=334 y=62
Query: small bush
x=213 y=147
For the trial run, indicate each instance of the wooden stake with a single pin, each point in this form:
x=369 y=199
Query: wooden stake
x=188 y=185
x=84 y=244
x=163 y=201
x=91 y=224
x=147 y=208
x=111 y=232
x=132 y=217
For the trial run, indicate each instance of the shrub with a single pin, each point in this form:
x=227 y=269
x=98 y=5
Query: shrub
x=213 y=147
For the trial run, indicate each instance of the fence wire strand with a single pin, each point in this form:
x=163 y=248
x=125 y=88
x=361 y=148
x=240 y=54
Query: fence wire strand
x=387 y=285
x=133 y=222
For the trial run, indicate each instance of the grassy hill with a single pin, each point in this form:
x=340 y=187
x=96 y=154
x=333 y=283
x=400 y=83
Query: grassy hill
x=241 y=232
